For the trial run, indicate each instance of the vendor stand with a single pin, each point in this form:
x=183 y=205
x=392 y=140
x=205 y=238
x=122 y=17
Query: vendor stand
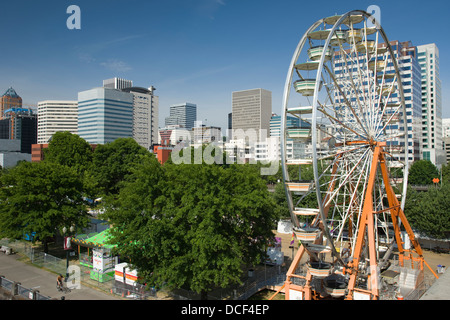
x=101 y=261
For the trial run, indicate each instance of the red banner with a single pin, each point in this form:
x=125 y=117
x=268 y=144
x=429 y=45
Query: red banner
x=67 y=243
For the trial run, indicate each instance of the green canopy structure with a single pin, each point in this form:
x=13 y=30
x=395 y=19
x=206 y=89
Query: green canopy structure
x=103 y=266
x=98 y=240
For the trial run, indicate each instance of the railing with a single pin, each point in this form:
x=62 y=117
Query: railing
x=50 y=262
x=41 y=297
x=136 y=292
x=257 y=286
x=53 y=263
x=261 y=279
x=16 y=291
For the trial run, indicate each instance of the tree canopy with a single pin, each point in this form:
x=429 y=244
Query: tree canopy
x=70 y=150
x=40 y=197
x=113 y=162
x=193 y=226
x=422 y=172
x=429 y=211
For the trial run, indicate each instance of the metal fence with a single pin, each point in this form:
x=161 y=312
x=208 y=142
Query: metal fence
x=257 y=280
x=59 y=265
x=6 y=284
x=17 y=291
x=49 y=262
x=136 y=292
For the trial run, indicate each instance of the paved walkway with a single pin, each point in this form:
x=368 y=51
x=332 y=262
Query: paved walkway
x=30 y=276
x=440 y=289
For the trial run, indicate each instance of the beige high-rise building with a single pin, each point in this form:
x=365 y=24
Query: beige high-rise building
x=56 y=116
x=252 y=110
x=145 y=115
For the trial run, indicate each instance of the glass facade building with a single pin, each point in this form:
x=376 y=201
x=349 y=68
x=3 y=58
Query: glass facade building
x=105 y=115
x=184 y=115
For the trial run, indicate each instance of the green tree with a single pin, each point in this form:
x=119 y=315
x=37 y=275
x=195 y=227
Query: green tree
x=429 y=212
x=279 y=196
x=70 y=150
x=422 y=172
x=112 y=163
x=40 y=197
x=195 y=226
x=445 y=170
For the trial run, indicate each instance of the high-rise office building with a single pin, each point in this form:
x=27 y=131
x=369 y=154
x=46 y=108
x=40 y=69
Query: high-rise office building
x=293 y=146
x=446 y=138
x=56 y=116
x=291 y=122
x=431 y=104
x=105 y=115
x=446 y=127
x=117 y=83
x=202 y=134
x=145 y=116
x=19 y=124
x=252 y=110
x=10 y=99
x=410 y=73
x=184 y=115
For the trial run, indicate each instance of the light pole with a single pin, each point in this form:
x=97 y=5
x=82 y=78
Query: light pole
x=67 y=247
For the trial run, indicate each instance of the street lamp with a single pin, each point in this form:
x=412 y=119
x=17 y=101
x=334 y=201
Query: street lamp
x=67 y=247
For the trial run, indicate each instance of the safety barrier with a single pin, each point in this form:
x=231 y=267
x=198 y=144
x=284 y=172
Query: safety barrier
x=16 y=291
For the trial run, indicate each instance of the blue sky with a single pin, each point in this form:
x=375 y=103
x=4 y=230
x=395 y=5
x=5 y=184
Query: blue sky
x=196 y=51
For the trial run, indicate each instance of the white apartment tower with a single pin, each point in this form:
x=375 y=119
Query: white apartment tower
x=431 y=104
x=56 y=116
x=252 y=110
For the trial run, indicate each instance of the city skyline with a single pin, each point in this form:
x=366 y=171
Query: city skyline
x=190 y=51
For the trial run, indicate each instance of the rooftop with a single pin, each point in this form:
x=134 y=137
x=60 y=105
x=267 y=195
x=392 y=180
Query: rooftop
x=11 y=93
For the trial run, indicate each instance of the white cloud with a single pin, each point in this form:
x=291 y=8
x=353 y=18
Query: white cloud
x=116 y=65
x=209 y=8
x=90 y=53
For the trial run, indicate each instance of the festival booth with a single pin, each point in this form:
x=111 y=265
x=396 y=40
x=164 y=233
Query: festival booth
x=274 y=254
x=101 y=261
x=124 y=274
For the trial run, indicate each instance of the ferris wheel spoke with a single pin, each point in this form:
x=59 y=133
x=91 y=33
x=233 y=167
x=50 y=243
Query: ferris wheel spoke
x=352 y=206
x=389 y=121
x=364 y=81
x=352 y=85
x=346 y=177
x=340 y=122
x=374 y=81
x=347 y=102
x=383 y=113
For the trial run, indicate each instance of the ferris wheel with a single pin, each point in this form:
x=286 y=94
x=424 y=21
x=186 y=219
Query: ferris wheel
x=345 y=159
